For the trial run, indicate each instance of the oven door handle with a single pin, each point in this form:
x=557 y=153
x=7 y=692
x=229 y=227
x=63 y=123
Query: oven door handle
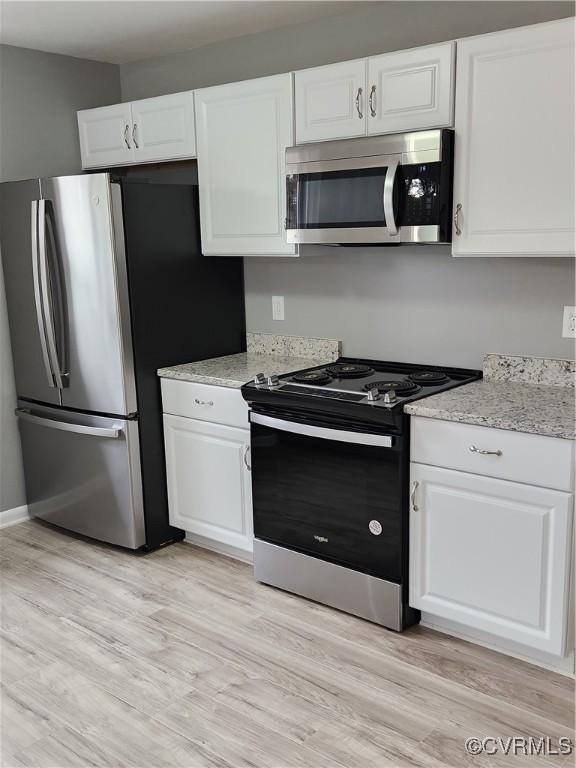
x=339 y=435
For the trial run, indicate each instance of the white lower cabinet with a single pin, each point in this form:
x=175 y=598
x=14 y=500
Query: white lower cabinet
x=209 y=491
x=491 y=554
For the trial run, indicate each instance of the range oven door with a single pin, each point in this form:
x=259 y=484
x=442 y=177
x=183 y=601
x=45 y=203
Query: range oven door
x=349 y=200
x=329 y=492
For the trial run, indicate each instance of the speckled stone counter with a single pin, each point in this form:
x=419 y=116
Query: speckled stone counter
x=267 y=353
x=235 y=370
x=511 y=401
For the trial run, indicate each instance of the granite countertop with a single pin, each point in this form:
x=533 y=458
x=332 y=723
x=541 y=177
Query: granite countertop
x=515 y=400
x=235 y=370
x=266 y=353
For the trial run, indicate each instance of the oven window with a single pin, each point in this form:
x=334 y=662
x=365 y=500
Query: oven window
x=334 y=199
x=338 y=501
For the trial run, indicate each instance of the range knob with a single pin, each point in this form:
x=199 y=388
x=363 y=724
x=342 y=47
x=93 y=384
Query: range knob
x=259 y=379
x=390 y=397
x=373 y=394
x=273 y=381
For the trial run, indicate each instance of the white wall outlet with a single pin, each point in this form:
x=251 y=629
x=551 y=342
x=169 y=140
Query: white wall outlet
x=277 y=307
x=569 y=324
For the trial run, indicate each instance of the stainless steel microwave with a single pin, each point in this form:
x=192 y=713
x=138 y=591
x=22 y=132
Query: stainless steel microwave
x=380 y=190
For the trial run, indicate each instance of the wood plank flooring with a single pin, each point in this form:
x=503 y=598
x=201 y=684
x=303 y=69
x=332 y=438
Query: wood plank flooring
x=178 y=658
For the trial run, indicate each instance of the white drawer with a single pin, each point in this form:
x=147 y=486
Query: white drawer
x=544 y=461
x=220 y=405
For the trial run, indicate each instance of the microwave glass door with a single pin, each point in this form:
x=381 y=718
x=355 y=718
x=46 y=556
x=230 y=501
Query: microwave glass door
x=355 y=197
x=336 y=500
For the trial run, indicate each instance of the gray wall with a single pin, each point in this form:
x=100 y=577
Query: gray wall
x=415 y=304
x=39 y=96
x=374 y=29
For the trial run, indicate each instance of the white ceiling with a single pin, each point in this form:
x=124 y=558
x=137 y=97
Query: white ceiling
x=129 y=30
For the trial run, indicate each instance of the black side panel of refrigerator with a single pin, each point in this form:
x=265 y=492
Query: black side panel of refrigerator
x=184 y=307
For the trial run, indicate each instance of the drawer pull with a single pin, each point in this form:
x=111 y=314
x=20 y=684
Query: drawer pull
x=415 y=506
x=203 y=402
x=474 y=449
x=246 y=462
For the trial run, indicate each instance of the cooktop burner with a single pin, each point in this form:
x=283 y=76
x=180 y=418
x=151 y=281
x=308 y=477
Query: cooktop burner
x=372 y=391
x=429 y=378
x=348 y=370
x=402 y=388
x=312 y=377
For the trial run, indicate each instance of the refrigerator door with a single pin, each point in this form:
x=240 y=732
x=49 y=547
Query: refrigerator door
x=29 y=292
x=83 y=235
x=83 y=473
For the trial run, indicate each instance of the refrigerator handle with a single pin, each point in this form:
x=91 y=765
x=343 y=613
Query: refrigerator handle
x=46 y=296
x=37 y=292
x=64 y=426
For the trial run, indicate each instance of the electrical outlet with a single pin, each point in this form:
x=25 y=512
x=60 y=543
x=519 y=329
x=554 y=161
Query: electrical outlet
x=569 y=323
x=277 y=307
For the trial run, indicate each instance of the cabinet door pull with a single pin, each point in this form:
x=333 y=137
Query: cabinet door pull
x=457 y=219
x=371 y=100
x=134 y=140
x=484 y=452
x=358 y=105
x=126 y=130
x=203 y=402
x=415 y=506
x=246 y=462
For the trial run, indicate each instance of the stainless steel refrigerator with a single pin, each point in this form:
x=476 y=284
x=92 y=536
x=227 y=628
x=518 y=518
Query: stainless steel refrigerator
x=105 y=282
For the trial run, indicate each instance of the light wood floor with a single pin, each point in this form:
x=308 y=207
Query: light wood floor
x=178 y=658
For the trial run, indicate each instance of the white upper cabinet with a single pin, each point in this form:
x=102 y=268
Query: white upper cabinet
x=145 y=131
x=400 y=91
x=330 y=102
x=243 y=130
x=514 y=148
x=163 y=127
x=411 y=90
x=105 y=136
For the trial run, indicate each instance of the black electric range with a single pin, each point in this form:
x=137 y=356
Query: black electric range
x=329 y=451
x=365 y=391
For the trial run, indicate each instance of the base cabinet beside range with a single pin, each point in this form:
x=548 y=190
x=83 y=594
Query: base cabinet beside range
x=207 y=445
x=490 y=549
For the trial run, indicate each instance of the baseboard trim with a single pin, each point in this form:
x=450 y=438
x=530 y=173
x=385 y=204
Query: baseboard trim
x=562 y=666
x=14 y=516
x=216 y=546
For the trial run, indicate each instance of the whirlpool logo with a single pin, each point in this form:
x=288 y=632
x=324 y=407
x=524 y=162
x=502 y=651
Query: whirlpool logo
x=321 y=539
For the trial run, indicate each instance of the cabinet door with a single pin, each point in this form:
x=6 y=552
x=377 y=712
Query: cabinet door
x=411 y=90
x=330 y=102
x=209 y=491
x=163 y=127
x=491 y=554
x=514 y=149
x=243 y=130
x=106 y=136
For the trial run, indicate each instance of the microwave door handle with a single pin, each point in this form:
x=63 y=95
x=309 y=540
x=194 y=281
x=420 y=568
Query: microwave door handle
x=38 y=292
x=47 y=310
x=388 y=197
x=324 y=433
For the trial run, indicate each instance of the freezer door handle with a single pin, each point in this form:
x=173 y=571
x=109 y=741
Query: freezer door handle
x=38 y=293
x=46 y=280
x=81 y=429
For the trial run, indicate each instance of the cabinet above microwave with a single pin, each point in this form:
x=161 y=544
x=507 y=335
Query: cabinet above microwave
x=384 y=190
